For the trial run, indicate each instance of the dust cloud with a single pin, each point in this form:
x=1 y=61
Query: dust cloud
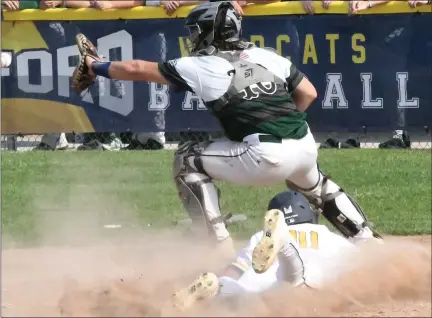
x=84 y=269
x=136 y=278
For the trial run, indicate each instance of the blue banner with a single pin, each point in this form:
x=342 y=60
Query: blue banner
x=371 y=71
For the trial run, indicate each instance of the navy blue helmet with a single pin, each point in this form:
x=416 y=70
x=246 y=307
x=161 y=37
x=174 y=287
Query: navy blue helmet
x=295 y=207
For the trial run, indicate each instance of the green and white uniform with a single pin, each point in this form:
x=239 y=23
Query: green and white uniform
x=265 y=107
x=249 y=91
x=269 y=141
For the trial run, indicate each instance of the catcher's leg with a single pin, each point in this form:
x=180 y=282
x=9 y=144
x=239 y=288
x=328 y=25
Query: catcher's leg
x=256 y=161
x=196 y=164
x=198 y=193
x=335 y=205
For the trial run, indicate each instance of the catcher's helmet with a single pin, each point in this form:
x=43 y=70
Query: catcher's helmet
x=213 y=23
x=295 y=207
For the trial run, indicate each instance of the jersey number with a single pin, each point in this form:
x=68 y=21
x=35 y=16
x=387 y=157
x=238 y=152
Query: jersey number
x=255 y=90
x=301 y=238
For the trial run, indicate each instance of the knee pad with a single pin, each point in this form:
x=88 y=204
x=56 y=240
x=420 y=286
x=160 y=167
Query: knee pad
x=187 y=158
x=198 y=193
x=342 y=211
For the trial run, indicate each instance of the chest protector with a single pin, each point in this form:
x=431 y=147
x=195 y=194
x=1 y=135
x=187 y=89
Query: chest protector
x=244 y=74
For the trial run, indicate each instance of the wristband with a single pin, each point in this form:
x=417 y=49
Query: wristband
x=101 y=68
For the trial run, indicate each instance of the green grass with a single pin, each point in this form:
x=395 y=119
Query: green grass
x=393 y=187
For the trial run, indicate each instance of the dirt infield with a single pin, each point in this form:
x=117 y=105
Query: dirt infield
x=136 y=279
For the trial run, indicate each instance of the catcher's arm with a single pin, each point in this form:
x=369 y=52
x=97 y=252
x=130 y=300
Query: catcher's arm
x=304 y=94
x=91 y=65
x=301 y=89
x=133 y=70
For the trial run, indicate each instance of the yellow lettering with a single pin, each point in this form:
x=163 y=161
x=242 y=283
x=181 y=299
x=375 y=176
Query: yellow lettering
x=282 y=38
x=314 y=240
x=301 y=238
x=332 y=38
x=294 y=234
x=183 y=43
x=356 y=39
x=258 y=40
x=309 y=50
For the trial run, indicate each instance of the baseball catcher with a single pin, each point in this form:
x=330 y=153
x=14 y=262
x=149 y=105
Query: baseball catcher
x=259 y=98
x=305 y=254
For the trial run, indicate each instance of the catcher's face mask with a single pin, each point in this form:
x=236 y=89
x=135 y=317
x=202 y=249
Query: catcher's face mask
x=194 y=37
x=200 y=23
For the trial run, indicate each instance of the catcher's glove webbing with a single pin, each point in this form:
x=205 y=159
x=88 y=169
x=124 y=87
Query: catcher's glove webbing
x=81 y=78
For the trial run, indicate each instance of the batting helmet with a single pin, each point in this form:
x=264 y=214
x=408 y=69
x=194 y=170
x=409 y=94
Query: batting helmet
x=295 y=207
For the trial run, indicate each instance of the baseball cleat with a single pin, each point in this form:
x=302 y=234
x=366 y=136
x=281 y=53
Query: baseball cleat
x=204 y=287
x=270 y=244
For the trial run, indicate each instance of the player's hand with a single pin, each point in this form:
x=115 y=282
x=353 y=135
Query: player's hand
x=415 y=3
x=238 y=6
x=326 y=4
x=49 y=4
x=170 y=6
x=357 y=6
x=308 y=6
x=83 y=76
x=10 y=5
x=89 y=60
x=103 y=5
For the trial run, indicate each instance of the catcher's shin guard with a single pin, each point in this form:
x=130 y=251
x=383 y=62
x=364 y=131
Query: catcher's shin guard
x=198 y=193
x=338 y=208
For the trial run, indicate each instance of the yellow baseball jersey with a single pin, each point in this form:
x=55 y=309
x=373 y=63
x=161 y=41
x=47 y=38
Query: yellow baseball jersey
x=322 y=253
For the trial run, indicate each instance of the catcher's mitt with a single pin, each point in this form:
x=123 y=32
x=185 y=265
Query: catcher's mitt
x=81 y=77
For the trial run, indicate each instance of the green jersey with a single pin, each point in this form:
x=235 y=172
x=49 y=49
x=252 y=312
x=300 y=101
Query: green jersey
x=248 y=91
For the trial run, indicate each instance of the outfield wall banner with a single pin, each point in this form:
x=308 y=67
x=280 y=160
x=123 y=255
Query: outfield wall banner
x=371 y=71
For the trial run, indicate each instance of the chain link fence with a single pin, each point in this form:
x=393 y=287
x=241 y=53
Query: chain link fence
x=156 y=141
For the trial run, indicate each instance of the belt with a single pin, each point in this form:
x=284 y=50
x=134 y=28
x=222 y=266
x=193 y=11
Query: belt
x=270 y=138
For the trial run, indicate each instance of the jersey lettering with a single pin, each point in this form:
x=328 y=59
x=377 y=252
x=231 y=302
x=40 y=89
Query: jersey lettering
x=301 y=238
x=255 y=90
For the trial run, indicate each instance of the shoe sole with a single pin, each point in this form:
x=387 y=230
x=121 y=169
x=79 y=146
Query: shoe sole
x=205 y=286
x=266 y=251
